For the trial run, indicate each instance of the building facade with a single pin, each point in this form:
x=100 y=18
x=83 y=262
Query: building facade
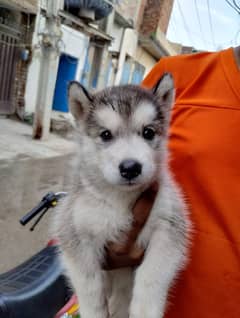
x=96 y=43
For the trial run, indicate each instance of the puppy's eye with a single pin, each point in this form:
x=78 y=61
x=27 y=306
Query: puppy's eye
x=148 y=133
x=106 y=135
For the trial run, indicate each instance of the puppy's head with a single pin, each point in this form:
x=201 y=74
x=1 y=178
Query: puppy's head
x=123 y=131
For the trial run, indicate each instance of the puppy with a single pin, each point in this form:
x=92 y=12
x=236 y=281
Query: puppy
x=121 y=138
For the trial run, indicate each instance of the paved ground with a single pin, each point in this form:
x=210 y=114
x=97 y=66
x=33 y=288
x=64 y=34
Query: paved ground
x=28 y=169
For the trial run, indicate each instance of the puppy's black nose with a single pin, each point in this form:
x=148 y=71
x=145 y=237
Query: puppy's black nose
x=130 y=169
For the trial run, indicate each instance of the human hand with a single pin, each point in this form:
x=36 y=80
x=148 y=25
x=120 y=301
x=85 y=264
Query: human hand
x=129 y=254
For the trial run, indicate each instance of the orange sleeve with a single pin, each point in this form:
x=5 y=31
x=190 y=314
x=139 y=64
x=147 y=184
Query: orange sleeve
x=205 y=160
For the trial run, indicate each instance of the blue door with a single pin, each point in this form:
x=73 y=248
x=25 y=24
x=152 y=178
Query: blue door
x=66 y=72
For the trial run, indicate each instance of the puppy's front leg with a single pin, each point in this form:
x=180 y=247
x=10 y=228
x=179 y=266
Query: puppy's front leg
x=84 y=269
x=164 y=257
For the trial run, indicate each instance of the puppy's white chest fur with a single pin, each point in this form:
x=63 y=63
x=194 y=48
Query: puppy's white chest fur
x=104 y=217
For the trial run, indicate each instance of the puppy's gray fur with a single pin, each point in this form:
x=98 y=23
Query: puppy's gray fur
x=98 y=208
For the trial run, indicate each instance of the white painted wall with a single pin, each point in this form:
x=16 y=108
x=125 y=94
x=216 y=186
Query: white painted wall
x=116 y=32
x=74 y=43
x=129 y=47
x=161 y=37
x=145 y=59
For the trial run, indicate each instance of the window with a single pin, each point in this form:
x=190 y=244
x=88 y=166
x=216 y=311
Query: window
x=132 y=72
x=138 y=72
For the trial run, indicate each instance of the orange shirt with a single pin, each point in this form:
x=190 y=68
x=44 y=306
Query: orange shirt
x=205 y=159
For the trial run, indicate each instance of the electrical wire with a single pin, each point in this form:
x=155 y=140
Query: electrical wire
x=173 y=24
x=232 y=6
x=210 y=23
x=184 y=22
x=199 y=21
x=236 y=5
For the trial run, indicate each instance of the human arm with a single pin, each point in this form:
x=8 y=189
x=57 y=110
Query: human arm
x=130 y=254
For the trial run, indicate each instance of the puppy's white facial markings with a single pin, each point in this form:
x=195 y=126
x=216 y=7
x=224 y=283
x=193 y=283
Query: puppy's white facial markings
x=127 y=143
x=129 y=147
x=144 y=114
x=108 y=118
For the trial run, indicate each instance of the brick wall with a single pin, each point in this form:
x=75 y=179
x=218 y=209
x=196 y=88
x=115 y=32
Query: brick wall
x=165 y=13
x=27 y=27
x=20 y=85
x=156 y=14
x=141 y=10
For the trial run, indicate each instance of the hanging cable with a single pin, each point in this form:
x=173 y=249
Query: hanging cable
x=173 y=24
x=236 y=5
x=184 y=22
x=232 y=6
x=199 y=21
x=210 y=23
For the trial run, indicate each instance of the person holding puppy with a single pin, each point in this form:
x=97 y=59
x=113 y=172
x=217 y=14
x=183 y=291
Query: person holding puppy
x=205 y=161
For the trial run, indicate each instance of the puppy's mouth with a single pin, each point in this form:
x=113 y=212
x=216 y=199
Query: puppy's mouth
x=131 y=184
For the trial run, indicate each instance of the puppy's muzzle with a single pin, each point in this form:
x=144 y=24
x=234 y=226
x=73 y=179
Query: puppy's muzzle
x=130 y=169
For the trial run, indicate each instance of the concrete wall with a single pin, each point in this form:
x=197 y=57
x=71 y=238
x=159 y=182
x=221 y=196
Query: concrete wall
x=129 y=10
x=30 y=6
x=34 y=68
x=73 y=43
x=145 y=59
x=129 y=47
x=116 y=32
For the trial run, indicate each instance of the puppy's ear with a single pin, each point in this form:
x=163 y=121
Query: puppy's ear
x=164 y=90
x=79 y=100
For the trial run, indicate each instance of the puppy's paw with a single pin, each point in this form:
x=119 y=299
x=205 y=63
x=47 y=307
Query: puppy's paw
x=94 y=312
x=144 y=310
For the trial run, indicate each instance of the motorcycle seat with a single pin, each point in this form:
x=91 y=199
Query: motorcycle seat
x=37 y=288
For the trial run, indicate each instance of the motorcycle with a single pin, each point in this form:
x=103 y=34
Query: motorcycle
x=38 y=288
